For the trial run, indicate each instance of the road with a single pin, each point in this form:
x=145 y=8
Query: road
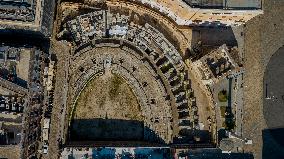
x=33 y=112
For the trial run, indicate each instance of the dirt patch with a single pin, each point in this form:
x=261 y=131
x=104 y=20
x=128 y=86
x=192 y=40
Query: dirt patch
x=23 y=65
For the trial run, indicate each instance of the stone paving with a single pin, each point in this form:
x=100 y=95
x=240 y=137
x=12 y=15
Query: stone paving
x=263 y=37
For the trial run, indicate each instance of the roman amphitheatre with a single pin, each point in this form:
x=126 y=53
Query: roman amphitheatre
x=146 y=73
x=141 y=79
x=124 y=71
x=130 y=69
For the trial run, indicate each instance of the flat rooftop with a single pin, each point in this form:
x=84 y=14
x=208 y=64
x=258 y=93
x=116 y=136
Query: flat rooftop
x=226 y=4
x=35 y=15
x=183 y=14
x=9 y=10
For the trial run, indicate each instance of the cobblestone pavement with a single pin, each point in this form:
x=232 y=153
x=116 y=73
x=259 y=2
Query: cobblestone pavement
x=263 y=36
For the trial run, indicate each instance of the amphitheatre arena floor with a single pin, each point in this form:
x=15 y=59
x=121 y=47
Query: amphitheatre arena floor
x=108 y=97
x=107 y=109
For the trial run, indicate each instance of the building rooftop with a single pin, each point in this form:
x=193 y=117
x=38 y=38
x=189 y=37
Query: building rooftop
x=31 y=15
x=183 y=14
x=226 y=4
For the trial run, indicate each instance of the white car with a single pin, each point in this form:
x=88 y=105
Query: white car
x=45 y=149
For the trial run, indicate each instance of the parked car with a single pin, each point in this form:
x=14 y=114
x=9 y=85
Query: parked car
x=45 y=149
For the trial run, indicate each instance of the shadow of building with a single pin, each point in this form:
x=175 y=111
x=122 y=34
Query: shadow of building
x=112 y=132
x=209 y=37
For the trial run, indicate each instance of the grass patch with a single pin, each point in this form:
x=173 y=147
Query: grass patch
x=207 y=109
x=114 y=86
x=223 y=96
x=224 y=124
x=83 y=96
x=223 y=111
